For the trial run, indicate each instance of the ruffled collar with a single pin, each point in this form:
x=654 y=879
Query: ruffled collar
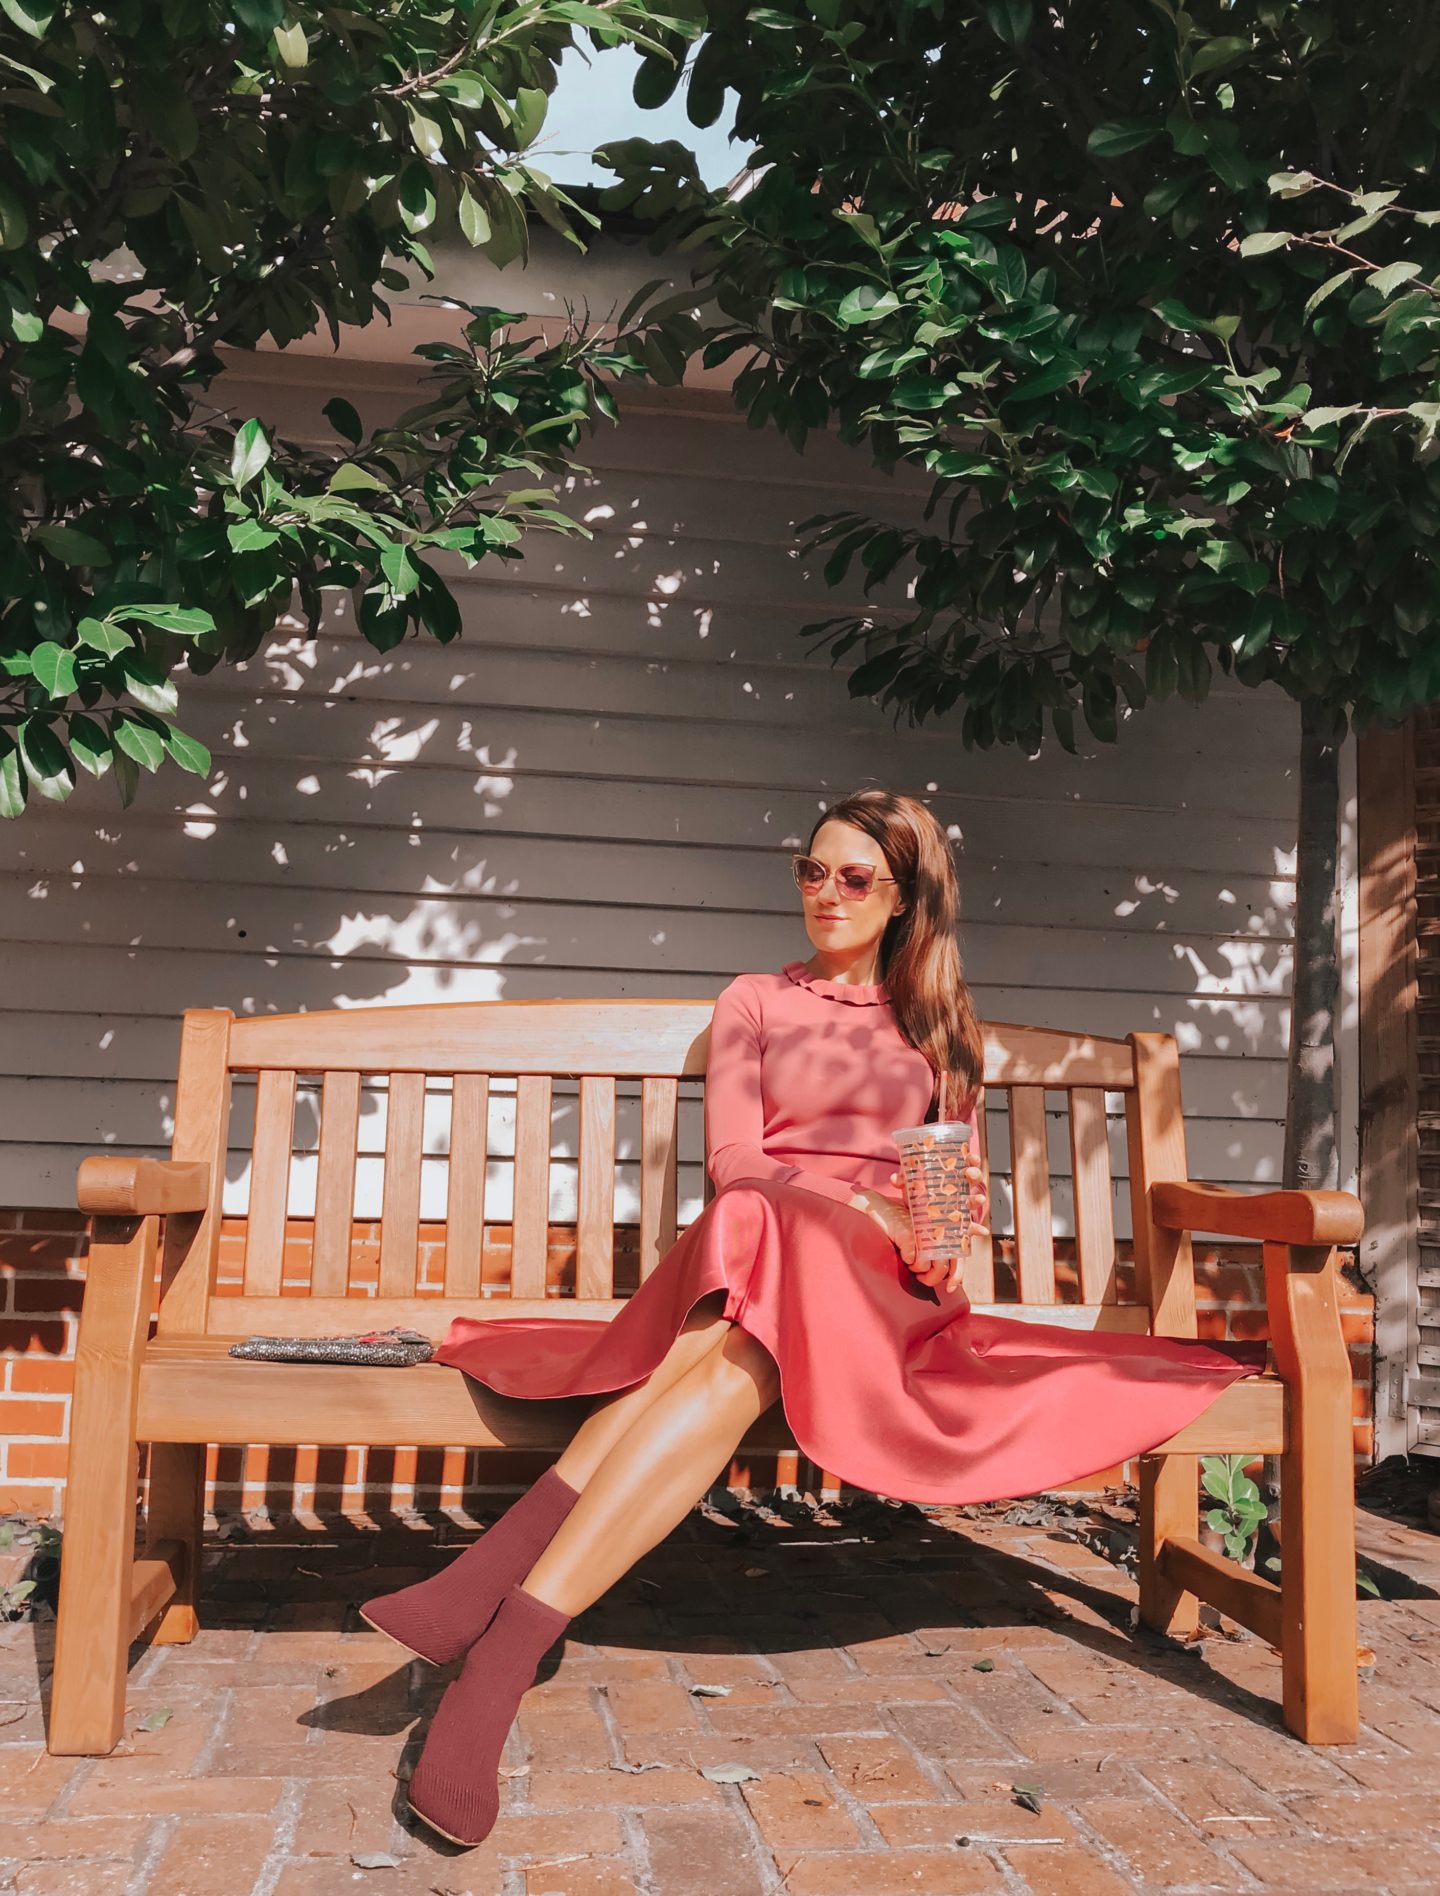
x=875 y=994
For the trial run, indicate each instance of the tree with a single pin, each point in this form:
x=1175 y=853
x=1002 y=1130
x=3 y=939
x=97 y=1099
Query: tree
x=179 y=178
x=1149 y=289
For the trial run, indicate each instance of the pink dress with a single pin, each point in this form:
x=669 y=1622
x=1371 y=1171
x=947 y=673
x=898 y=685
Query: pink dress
x=885 y=1382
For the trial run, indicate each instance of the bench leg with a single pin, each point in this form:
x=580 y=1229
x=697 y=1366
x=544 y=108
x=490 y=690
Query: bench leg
x=97 y=1606
x=93 y=1631
x=1317 y=1577
x=175 y=1511
x=1169 y=1510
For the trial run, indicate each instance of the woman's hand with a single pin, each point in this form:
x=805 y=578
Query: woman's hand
x=944 y=1273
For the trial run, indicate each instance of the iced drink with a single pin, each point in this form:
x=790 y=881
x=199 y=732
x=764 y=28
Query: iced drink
x=933 y=1159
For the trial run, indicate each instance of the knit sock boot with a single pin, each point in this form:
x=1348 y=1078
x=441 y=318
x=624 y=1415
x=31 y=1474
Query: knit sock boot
x=455 y=1787
x=439 y=1617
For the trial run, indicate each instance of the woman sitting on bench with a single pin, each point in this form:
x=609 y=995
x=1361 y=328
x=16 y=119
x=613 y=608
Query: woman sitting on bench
x=799 y=1281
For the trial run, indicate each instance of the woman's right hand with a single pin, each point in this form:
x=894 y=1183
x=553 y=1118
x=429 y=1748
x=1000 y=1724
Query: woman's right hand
x=892 y=1217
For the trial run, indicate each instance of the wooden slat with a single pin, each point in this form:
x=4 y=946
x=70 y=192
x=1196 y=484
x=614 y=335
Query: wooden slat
x=624 y=1037
x=1248 y=1418
x=1094 y=1205
x=1016 y=1055
x=631 y=1039
x=191 y=1246
x=532 y=1185
x=980 y=1265
x=595 y=1209
x=152 y=1582
x=400 y=1200
x=335 y=1184
x=465 y=1205
x=269 y=1182
x=225 y=1399
x=659 y=1141
x=327 y=1316
x=1247 y=1597
x=1030 y=1185
x=232 y=1317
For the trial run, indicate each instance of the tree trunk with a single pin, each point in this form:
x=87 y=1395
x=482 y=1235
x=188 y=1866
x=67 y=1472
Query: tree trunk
x=1311 y=1161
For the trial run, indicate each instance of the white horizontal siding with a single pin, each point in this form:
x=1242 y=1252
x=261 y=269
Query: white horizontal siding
x=594 y=792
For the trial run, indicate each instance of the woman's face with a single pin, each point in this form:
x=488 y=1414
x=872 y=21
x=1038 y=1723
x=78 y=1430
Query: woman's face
x=836 y=923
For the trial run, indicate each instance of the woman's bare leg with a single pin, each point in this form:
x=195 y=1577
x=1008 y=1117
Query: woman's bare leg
x=615 y=1412
x=655 y=1474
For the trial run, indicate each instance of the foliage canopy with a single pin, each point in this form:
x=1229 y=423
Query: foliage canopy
x=183 y=177
x=1147 y=289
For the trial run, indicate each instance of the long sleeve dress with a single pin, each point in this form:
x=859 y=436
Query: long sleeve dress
x=889 y=1384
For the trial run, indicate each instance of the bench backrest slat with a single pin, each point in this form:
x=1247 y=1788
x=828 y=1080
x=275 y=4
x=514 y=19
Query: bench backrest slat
x=335 y=1184
x=465 y=1055
x=269 y=1182
x=400 y=1205
x=465 y=1197
x=595 y=1193
x=1030 y=1175
x=659 y=1169
x=1094 y=1201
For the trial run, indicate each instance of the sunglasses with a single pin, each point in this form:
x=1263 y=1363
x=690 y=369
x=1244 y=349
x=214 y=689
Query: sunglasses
x=853 y=880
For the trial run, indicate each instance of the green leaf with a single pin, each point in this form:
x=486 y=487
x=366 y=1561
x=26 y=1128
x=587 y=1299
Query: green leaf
x=188 y=752
x=350 y=478
x=1114 y=139
x=1322 y=417
x=427 y=133
x=1010 y=20
x=139 y=742
x=184 y=619
x=70 y=545
x=1291 y=183
x=343 y=419
x=1385 y=281
x=46 y=761
x=14 y=784
x=54 y=668
x=14 y=220
x=1260 y=242
x=102 y=636
x=400 y=569
x=292 y=45
x=148 y=684
x=89 y=744
x=1327 y=289
x=530 y=108
x=474 y=218
x=250 y=453
x=866 y=304
x=31 y=16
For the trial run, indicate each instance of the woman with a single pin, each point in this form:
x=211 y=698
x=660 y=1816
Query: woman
x=798 y=1281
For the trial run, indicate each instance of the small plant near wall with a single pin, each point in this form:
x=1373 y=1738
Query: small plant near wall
x=1240 y=1510
x=1240 y=1506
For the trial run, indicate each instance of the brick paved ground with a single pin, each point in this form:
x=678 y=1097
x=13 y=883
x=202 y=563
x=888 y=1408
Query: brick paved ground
x=883 y=1683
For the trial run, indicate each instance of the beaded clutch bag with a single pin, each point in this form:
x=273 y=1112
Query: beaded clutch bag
x=389 y=1349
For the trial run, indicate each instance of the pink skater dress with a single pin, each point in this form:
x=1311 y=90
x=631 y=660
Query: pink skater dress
x=885 y=1382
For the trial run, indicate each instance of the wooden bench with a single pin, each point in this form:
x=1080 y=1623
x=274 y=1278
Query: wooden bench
x=177 y=1389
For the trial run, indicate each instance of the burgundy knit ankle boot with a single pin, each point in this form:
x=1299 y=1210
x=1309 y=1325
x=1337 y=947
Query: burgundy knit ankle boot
x=439 y=1617
x=455 y=1787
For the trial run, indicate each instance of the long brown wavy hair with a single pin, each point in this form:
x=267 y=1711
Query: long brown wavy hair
x=919 y=955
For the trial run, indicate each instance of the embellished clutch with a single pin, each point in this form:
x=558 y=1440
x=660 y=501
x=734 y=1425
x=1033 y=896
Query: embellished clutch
x=387 y=1349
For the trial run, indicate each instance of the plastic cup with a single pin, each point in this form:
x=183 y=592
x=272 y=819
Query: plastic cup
x=933 y=1159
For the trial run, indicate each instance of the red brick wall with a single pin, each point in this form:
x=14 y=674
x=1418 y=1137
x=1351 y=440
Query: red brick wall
x=42 y=1275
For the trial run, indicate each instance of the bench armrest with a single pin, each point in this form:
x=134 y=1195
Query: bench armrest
x=1283 y=1217
x=115 y=1186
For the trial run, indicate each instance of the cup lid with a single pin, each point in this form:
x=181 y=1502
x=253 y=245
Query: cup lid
x=946 y=1128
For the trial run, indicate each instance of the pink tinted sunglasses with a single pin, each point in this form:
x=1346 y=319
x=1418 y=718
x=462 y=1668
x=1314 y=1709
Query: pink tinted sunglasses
x=853 y=880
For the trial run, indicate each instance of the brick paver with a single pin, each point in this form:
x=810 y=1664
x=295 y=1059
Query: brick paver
x=934 y=1701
